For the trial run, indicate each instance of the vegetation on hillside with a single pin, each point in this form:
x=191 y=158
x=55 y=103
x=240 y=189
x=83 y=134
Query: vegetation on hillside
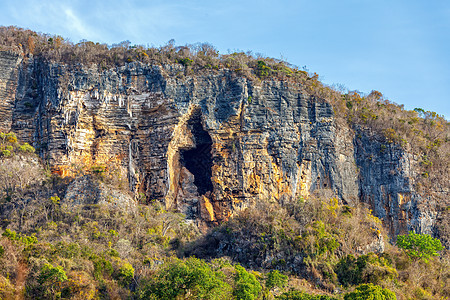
x=314 y=249
x=195 y=58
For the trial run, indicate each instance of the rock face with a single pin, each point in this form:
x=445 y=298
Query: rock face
x=86 y=190
x=207 y=145
x=9 y=62
x=386 y=180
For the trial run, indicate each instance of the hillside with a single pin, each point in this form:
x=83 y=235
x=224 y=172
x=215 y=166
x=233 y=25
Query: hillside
x=152 y=153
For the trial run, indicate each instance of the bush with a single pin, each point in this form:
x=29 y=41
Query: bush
x=52 y=274
x=6 y=288
x=51 y=279
x=6 y=153
x=26 y=148
x=370 y=292
x=11 y=138
x=366 y=269
x=262 y=70
x=102 y=267
x=275 y=279
x=178 y=278
x=13 y=236
x=297 y=295
x=10 y=234
x=125 y=274
x=186 y=61
x=247 y=286
x=419 y=246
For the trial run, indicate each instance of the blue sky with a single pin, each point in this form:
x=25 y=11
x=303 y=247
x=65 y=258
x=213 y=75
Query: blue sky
x=400 y=48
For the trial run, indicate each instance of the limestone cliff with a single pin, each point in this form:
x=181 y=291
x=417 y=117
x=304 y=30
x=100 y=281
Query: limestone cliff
x=207 y=145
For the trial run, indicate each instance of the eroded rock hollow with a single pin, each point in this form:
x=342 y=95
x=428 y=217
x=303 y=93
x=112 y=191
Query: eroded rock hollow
x=198 y=160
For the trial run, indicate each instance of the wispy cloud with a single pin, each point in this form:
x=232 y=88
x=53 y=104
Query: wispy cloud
x=110 y=22
x=77 y=26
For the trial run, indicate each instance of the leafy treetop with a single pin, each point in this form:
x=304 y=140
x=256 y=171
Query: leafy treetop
x=419 y=246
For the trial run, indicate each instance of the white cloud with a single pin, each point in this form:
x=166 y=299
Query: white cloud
x=74 y=24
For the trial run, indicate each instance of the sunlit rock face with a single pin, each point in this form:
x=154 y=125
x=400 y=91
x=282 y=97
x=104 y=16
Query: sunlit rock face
x=206 y=145
x=9 y=67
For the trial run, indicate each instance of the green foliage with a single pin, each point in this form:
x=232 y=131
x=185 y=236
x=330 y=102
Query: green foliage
x=186 y=61
x=68 y=250
x=370 y=292
x=276 y=279
x=9 y=145
x=295 y=231
x=52 y=275
x=6 y=288
x=125 y=274
x=348 y=271
x=317 y=241
x=112 y=232
x=247 y=286
x=13 y=236
x=298 y=295
x=99 y=171
x=178 y=278
x=419 y=246
x=26 y=148
x=55 y=200
x=102 y=267
x=50 y=280
x=365 y=269
x=6 y=153
x=10 y=234
x=262 y=69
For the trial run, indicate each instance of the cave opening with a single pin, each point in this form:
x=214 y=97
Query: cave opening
x=198 y=160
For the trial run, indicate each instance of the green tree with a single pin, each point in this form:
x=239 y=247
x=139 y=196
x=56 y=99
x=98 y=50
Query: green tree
x=276 y=279
x=367 y=268
x=419 y=246
x=247 y=286
x=192 y=278
x=125 y=274
x=51 y=279
x=370 y=292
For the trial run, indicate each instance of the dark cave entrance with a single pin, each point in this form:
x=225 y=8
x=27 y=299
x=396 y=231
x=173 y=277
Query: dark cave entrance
x=198 y=160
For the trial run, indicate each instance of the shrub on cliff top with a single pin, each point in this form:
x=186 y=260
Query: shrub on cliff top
x=200 y=57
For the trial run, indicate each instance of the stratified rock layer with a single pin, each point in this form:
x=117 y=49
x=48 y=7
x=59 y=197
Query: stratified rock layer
x=206 y=145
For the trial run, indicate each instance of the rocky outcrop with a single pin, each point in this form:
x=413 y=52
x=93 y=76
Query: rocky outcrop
x=9 y=62
x=86 y=190
x=387 y=179
x=207 y=145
